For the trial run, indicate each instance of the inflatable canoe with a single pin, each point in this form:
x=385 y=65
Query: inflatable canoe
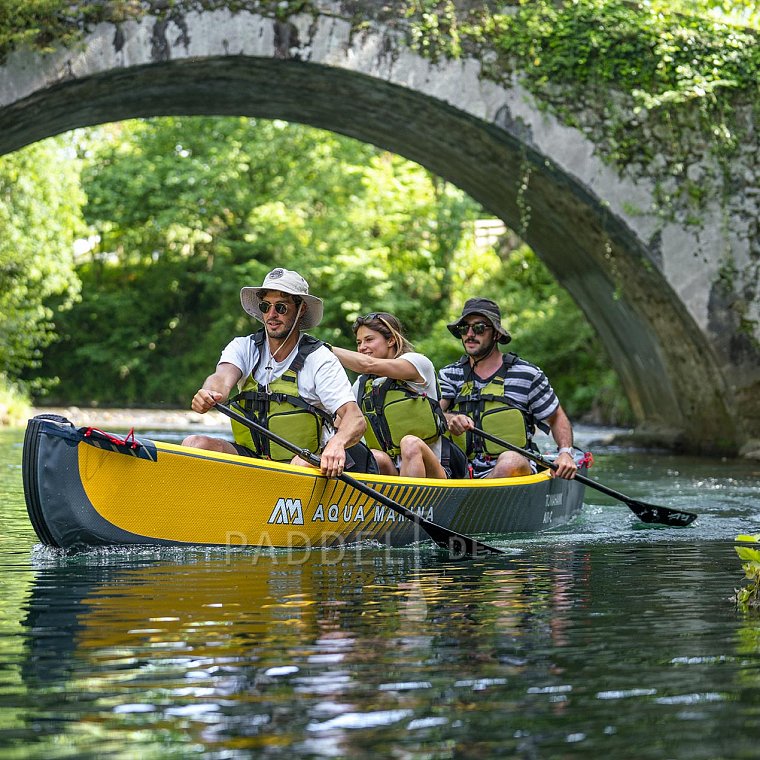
x=85 y=487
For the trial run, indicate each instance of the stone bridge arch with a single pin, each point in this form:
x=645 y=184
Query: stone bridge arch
x=649 y=289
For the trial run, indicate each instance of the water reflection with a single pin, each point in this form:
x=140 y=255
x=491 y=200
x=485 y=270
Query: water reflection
x=265 y=652
x=375 y=652
x=604 y=638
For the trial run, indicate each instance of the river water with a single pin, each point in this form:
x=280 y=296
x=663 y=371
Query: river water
x=605 y=638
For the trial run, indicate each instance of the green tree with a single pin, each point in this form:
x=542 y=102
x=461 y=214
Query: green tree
x=40 y=218
x=189 y=209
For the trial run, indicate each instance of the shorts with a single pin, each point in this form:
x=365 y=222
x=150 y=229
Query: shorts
x=453 y=459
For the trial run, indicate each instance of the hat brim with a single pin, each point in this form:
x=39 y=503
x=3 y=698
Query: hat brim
x=249 y=298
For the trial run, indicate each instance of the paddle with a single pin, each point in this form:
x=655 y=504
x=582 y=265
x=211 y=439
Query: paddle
x=455 y=543
x=648 y=513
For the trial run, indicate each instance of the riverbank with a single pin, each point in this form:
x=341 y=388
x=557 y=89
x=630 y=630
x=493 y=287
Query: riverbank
x=214 y=422
x=139 y=419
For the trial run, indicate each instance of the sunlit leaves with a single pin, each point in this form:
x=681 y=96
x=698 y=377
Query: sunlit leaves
x=188 y=210
x=39 y=221
x=749 y=595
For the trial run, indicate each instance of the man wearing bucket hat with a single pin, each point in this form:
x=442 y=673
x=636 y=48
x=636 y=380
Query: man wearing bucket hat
x=289 y=382
x=501 y=394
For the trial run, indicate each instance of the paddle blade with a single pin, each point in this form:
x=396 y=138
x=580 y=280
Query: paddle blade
x=651 y=513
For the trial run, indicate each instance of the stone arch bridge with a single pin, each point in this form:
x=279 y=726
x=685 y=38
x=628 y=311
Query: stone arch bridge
x=682 y=335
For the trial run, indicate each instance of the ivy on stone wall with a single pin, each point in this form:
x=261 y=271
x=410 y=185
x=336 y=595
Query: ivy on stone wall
x=641 y=81
x=665 y=90
x=44 y=24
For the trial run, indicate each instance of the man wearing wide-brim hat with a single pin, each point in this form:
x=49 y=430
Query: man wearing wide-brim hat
x=282 y=369
x=501 y=394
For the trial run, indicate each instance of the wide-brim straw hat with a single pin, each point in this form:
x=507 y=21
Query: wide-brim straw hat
x=487 y=309
x=285 y=281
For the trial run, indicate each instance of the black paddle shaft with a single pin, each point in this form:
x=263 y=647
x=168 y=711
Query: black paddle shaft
x=457 y=544
x=648 y=513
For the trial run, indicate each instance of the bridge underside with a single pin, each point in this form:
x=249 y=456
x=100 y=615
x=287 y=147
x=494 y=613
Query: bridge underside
x=652 y=340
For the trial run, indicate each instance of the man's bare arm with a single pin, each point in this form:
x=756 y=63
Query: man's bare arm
x=350 y=431
x=562 y=432
x=216 y=387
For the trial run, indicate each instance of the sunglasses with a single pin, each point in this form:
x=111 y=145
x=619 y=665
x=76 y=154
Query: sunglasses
x=477 y=327
x=360 y=321
x=279 y=307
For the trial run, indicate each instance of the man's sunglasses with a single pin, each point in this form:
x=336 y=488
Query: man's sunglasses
x=280 y=307
x=477 y=327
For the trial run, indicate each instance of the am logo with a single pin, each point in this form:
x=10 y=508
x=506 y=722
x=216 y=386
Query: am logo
x=287 y=512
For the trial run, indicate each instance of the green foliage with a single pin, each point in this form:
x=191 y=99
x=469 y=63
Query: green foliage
x=644 y=71
x=189 y=209
x=15 y=405
x=737 y=12
x=547 y=328
x=666 y=58
x=749 y=596
x=43 y=24
x=40 y=217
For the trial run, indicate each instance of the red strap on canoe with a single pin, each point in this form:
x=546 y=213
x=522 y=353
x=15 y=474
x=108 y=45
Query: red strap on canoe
x=128 y=440
x=588 y=459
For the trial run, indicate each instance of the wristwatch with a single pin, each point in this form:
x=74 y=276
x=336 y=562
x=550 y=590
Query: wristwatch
x=565 y=450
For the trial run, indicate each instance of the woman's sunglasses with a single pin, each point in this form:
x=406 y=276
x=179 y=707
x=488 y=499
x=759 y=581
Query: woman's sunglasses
x=280 y=307
x=379 y=315
x=477 y=327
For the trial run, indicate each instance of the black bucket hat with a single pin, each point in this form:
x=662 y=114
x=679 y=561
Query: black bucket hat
x=489 y=310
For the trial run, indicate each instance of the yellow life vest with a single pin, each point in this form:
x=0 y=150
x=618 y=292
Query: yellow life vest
x=281 y=409
x=393 y=410
x=493 y=412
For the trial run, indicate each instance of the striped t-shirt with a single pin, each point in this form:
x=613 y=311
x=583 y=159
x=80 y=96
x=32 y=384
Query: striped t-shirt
x=525 y=385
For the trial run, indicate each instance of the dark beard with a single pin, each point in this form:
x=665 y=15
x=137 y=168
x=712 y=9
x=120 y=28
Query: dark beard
x=279 y=334
x=482 y=352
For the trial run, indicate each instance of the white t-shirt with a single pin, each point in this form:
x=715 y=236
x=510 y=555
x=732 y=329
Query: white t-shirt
x=322 y=381
x=429 y=386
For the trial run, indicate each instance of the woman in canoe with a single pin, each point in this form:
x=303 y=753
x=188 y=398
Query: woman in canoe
x=397 y=392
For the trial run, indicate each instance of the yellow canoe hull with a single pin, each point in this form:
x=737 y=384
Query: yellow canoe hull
x=89 y=491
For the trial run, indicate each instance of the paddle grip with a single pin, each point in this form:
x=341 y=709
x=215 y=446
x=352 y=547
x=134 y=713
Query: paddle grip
x=511 y=446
